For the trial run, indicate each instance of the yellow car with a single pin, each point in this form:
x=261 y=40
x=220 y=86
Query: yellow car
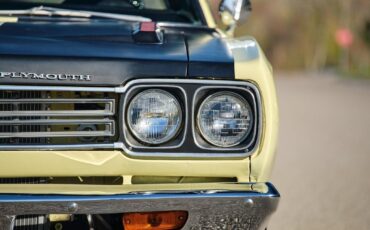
x=134 y=114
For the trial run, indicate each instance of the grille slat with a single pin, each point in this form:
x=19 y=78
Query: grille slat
x=32 y=107
x=27 y=130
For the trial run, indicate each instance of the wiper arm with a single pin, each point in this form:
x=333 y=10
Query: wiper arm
x=51 y=11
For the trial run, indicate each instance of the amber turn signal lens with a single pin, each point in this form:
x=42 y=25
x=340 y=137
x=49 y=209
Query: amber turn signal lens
x=171 y=220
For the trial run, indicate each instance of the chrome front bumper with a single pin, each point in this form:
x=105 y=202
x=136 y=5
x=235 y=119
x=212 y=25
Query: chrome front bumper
x=248 y=208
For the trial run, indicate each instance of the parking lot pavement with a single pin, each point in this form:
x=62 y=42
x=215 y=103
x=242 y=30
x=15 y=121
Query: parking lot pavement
x=323 y=160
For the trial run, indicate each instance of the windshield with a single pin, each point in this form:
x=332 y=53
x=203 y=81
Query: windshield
x=158 y=10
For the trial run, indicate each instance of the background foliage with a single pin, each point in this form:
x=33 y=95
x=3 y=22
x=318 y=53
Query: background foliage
x=301 y=34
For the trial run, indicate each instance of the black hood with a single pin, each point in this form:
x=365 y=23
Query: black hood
x=108 y=53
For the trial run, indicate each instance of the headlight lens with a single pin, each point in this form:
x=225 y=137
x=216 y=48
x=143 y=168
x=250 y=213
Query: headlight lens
x=154 y=116
x=225 y=119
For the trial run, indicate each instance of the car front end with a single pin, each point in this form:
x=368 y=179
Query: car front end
x=131 y=122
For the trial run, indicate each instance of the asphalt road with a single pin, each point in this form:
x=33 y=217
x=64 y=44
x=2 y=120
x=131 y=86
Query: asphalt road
x=323 y=164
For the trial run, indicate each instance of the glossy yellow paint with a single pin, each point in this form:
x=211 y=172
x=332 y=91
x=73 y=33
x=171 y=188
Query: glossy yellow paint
x=8 y=19
x=207 y=13
x=259 y=71
x=117 y=189
x=111 y=163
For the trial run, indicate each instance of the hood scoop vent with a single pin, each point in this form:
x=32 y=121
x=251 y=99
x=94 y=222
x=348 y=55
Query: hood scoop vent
x=147 y=32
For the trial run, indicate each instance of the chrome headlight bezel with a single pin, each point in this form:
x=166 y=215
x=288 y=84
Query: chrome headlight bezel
x=248 y=92
x=133 y=143
x=235 y=96
x=135 y=132
x=189 y=142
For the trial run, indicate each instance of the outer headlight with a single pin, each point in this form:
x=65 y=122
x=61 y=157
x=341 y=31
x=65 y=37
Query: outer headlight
x=154 y=116
x=225 y=119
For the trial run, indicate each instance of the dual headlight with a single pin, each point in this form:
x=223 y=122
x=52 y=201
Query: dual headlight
x=224 y=119
x=154 y=116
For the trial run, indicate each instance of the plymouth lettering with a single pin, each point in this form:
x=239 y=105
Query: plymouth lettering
x=42 y=76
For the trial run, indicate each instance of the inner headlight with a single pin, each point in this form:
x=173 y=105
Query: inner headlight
x=225 y=119
x=154 y=116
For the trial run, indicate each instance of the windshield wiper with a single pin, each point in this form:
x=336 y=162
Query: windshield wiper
x=51 y=11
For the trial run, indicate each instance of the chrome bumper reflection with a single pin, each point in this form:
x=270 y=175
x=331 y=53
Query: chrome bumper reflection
x=247 y=209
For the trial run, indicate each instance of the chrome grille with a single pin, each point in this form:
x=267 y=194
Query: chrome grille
x=11 y=107
x=90 y=180
x=24 y=180
x=31 y=222
x=56 y=117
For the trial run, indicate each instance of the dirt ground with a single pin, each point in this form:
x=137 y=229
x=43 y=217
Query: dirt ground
x=323 y=164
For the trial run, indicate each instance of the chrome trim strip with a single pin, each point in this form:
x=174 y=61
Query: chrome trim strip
x=54 y=122
x=60 y=88
x=56 y=113
x=108 y=131
x=58 y=147
x=23 y=204
x=109 y=109
x=55 y=101
x=182 y=25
